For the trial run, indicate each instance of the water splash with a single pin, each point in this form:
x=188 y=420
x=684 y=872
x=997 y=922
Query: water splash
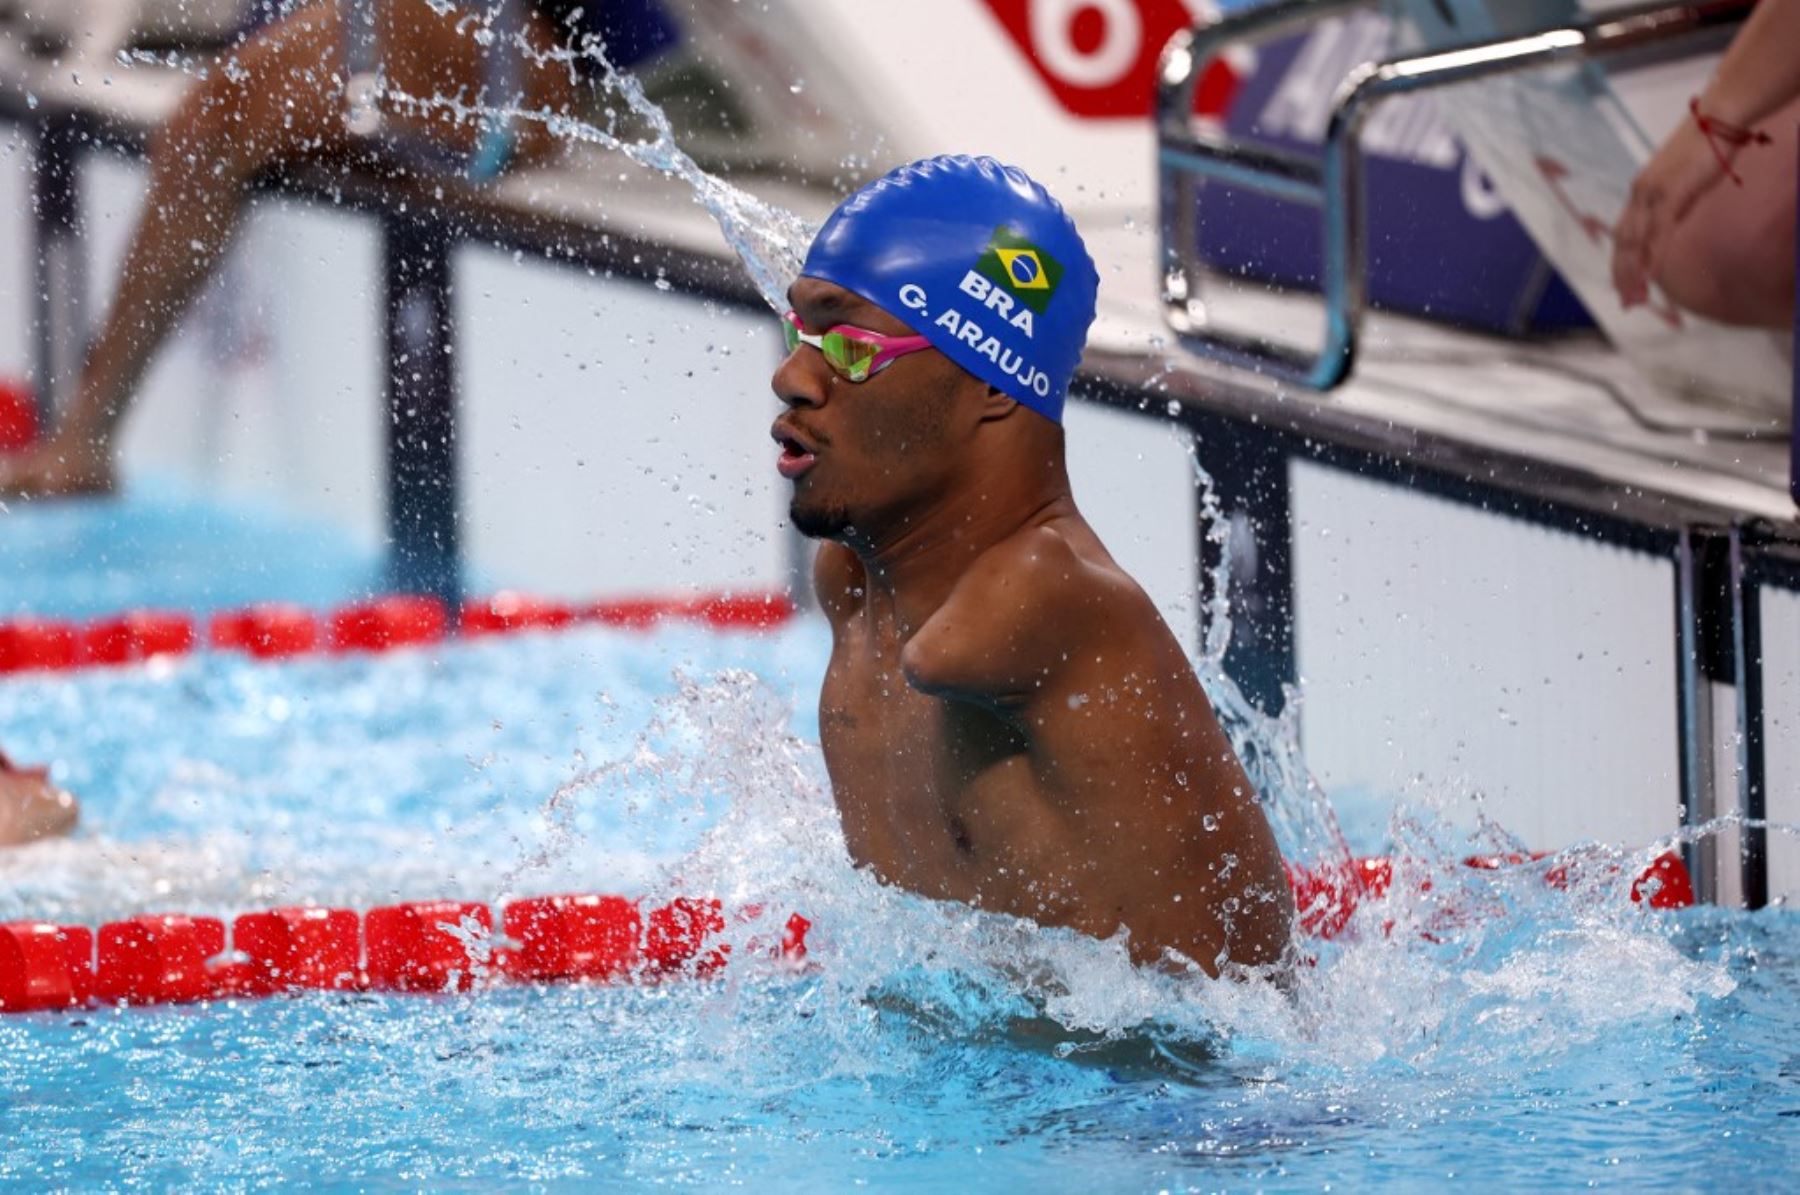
x=1300 y=813
x=769 y=240
x=1453 y=972
x=924 y=1029
x=477 y=942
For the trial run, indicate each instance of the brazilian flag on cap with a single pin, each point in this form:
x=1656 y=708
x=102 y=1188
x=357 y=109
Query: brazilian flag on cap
x=1022 y=269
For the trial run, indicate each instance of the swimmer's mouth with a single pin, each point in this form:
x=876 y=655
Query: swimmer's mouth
x=796 y=457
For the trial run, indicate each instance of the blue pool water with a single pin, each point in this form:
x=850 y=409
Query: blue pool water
x=1562 y=1039
x=1490 y=1030
x=160 y=543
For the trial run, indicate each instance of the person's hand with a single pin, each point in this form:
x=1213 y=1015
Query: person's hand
x=60 y=466
x=31 y=807
x=1685 y=168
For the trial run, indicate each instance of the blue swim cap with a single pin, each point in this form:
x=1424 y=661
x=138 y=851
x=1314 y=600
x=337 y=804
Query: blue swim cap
x=980 y=260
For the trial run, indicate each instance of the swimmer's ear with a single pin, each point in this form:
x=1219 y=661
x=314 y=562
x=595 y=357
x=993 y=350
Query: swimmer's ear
x=997 y=404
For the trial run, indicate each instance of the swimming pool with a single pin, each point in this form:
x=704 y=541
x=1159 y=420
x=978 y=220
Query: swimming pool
x=1500 y=1032
x=164 y=543
x=1561 y=1038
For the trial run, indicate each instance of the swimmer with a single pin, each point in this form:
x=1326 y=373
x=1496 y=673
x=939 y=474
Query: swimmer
x=278 y=101
x=32 y=808
x=1006 y=719
x=1710 y=218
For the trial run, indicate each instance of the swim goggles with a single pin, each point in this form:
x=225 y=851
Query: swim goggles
x=855 y=354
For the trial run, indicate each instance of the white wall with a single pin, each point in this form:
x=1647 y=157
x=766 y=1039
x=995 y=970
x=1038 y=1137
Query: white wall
x=270 y=388
x=961 y=49
x=615 y=437
x=1134 y=481
x=15 y=256
x=1781 y=735
x=636 y=422
x=1477 y=652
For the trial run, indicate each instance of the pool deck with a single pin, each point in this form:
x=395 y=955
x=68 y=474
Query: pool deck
x=1566 y=414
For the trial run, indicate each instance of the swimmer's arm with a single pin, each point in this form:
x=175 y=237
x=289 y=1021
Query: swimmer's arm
x=1009 y=626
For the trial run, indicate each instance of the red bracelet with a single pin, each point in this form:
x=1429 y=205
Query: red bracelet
x=1716 y=130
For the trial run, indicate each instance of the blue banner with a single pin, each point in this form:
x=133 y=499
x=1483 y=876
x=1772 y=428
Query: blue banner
x=1441 y=243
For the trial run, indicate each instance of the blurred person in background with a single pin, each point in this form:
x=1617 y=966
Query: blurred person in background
x=1710 y=218
x=280 y=98
x=31 y=807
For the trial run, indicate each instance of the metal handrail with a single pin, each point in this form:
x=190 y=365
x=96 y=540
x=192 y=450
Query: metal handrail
x=1186 y=151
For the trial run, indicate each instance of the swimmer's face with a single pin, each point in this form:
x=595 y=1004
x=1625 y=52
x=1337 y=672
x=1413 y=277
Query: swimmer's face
x=862 y=455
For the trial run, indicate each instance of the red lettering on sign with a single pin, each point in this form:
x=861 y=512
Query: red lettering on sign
x=1098 y=57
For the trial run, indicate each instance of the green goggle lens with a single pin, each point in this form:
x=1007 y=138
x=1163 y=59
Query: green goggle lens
x=845 y=354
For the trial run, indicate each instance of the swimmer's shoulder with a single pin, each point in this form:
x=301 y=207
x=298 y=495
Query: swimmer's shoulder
x=838 y=581
x=1055 y=570
x=1018 y=613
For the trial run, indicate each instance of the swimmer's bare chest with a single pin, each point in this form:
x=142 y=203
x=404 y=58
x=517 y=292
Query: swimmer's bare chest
x=937 y=795
x=1098 y=794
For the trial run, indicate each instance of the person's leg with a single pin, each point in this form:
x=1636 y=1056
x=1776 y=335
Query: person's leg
x=279 y=100
x=31 y=807
x=1732 y=259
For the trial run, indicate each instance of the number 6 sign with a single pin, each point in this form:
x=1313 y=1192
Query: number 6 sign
x=1097 y=57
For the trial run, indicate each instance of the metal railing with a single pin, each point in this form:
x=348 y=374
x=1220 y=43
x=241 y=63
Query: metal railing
x=1720 y=568
x=1188 y=152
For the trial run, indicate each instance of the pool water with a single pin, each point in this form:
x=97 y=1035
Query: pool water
x=162 y=543
x=1499 y=1033
x=1473 y=1027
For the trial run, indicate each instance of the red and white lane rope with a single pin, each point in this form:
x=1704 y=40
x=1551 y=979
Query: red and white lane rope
x=445 y=945
x=279 y=630
x=422 y=946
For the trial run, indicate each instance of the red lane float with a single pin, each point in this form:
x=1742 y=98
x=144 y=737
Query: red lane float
x=506 y=612
x=278 y=630
x=397 y=620
x=269 y=631
x=167 y=959
x=157 y=959
x=137 y=635
x=594 y=939
x=725 y=611
x=1326 y=897
x=300 y=949
x=18 y=415
x=44 y=966
x=1665 y=883
x=631 y=613
x=572 y=937
x=743 y=611
x=675 y=935
x=410 y=951
x=39 y=643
